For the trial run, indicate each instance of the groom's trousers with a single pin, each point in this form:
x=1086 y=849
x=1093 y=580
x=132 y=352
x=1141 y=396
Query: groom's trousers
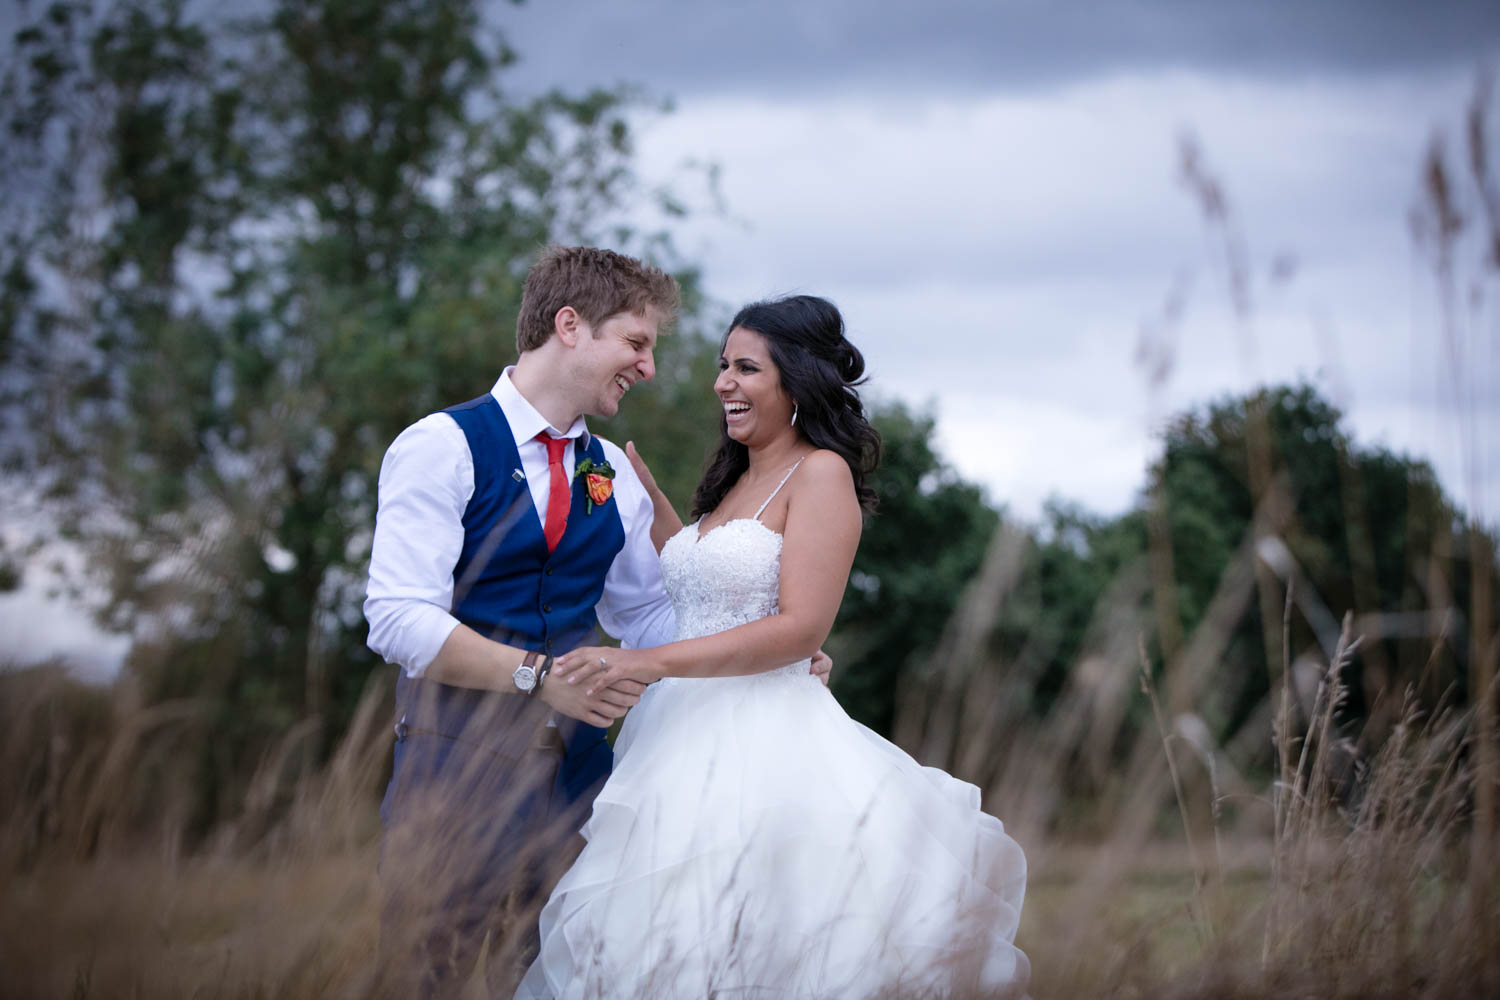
x=481 y=818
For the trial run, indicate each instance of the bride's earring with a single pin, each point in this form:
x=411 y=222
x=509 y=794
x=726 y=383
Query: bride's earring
x=794 y=414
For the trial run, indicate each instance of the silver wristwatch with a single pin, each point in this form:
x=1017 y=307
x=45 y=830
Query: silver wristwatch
x=532 y=671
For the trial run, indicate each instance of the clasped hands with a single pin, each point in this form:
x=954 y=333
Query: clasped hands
x=598 y=705
x=605 y=670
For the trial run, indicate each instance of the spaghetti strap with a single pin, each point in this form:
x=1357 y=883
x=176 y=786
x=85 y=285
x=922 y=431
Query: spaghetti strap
x=777 y=490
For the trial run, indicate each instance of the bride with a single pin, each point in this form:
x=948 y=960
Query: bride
x=753 y=840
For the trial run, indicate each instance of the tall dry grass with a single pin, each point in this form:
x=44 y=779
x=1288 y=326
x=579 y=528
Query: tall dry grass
x=1363 y=865
x=1333 y=880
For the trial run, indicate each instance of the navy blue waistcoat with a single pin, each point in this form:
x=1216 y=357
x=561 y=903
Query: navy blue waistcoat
x=508 y=587
x=505 y=579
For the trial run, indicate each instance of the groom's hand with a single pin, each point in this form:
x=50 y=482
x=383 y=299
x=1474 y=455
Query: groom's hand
x=598 y=708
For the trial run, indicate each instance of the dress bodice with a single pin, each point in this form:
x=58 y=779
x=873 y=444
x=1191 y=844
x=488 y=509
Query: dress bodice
x=725 y=577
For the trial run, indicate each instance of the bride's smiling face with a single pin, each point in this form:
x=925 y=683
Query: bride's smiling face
x=756 y=408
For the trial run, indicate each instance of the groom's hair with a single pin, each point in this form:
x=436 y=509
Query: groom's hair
x=596 y=283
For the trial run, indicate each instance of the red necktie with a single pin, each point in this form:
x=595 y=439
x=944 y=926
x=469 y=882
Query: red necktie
x=557 y=494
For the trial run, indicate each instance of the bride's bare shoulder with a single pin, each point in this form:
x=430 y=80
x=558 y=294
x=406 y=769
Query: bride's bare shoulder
x=823 y=513
x=824 y=473
x=825 y=461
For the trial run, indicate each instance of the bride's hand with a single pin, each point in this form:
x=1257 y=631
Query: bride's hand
x=664 y=520
x=600 y=667
x=642 y=470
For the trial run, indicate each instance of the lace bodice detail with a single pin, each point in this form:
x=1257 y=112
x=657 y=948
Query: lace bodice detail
x=726 y=577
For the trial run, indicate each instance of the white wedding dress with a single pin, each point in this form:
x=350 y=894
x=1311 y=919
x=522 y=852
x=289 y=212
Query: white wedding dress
x=754 y=841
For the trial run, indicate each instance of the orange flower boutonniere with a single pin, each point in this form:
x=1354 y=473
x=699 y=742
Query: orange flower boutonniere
x=598 y=482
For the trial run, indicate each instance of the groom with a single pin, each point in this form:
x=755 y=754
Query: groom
x=504 y=531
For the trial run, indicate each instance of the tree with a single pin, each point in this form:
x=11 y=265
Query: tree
x=1355 y=529
x=1044 y=628
x=247 y=254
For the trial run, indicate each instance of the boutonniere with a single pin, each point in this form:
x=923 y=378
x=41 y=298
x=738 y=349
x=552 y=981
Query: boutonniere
x=598 y=481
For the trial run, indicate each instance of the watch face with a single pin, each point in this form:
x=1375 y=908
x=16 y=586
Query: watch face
x=525 y=678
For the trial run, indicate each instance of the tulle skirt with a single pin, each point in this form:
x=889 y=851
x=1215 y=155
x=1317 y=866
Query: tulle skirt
x=754 y=841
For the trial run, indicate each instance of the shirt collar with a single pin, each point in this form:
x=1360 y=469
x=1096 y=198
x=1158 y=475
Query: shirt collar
x=525 y=422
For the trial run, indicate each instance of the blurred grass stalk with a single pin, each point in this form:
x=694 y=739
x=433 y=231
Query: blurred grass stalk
x=1365 y=866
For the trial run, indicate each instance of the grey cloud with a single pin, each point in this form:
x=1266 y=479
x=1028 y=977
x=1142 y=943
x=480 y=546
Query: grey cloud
x=783 y=47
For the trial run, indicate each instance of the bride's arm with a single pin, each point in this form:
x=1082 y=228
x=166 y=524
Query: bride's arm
x=664 y=522
x=821 y=536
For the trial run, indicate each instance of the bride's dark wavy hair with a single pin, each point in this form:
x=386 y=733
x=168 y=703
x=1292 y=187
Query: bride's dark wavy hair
x=820 y=371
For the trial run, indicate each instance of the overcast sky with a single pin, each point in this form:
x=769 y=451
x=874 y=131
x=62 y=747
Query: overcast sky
x=990 y=191
x=788 y=49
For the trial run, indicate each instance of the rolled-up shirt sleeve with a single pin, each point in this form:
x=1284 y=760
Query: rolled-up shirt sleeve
x=635 y=608
x=425 y=484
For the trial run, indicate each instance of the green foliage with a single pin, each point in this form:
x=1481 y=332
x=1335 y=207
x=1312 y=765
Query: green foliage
x=1048 y=622
x=1366 y=530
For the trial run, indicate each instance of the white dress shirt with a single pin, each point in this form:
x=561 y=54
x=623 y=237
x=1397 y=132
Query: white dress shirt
x=426 y=481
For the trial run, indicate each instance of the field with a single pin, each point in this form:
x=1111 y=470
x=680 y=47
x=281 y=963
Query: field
x=1371 y=882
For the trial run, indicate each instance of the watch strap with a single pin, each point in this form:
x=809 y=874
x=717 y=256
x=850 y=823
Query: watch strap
x=540 y=664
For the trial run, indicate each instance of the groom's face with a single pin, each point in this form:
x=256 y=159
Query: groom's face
x=612 y=357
